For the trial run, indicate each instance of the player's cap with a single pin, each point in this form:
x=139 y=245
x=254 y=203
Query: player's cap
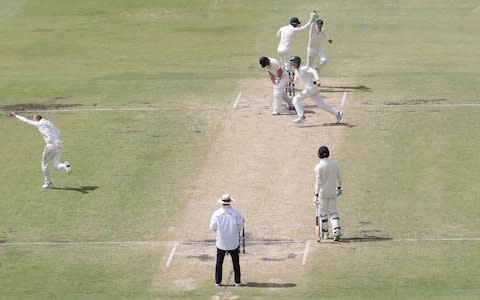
x=264 y=61
x=323 y=152
x=319 y=22
x=294 y=20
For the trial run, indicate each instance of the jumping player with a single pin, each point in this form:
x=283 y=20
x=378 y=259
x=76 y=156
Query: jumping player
x=286 y=34
x=315 y=44
x=53 y=146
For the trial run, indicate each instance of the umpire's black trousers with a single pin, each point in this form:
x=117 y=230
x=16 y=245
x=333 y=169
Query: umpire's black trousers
x=235 y=254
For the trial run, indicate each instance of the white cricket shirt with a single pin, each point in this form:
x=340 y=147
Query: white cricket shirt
x=227 y=223
x=49 y=132
x=316 y=38
x=274 y=66
x=306 y=75
x=287 y=33
x=328 y=177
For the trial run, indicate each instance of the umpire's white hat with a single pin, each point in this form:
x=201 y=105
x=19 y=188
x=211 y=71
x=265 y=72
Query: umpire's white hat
x=225 y=199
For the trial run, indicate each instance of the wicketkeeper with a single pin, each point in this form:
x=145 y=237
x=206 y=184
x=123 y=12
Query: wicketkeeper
x=311 y=82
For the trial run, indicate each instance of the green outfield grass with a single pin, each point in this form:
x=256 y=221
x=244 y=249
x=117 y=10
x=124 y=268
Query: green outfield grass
x=410 y=161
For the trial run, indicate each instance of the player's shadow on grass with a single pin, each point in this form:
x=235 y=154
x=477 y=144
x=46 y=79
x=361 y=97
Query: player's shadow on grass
x=365 y=239
x=270 y=285
x=82 y=189
x=333 y=89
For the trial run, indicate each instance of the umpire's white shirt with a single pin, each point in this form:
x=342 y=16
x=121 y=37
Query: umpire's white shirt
x=227 y=223
x=328 y=177
x=49 y=132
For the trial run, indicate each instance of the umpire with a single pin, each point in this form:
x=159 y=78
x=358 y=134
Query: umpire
x=227 y=224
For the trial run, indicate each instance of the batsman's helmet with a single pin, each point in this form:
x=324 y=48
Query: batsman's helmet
x=264 y=61
x=323 y=152
x=294 y=20
x=319 y=22
x=295 y=60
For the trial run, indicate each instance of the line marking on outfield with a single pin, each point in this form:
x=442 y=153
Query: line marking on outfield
x=436 y=239
x=305 y=252
x=172 y=253
x=344 y=99
x=237 y=100
x=415 y=105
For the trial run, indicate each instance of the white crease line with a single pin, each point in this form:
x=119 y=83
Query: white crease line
x=172 y=253
x=437 y=239
x=305 y=253
x=266 y=243
x=344 y=99
x=248 y=252
x=415 y=105
x=237 y=100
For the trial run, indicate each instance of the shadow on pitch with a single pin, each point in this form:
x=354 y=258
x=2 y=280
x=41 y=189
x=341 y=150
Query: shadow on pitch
x=365 y=239
x=270 y=285
x=327 y=125
x=82 y=189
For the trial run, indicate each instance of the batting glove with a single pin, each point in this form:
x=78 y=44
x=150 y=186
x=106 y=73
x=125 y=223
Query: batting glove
x=339 y=190
x=315 y=200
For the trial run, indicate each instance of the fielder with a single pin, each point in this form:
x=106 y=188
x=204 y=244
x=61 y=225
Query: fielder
x=279 y=79
x=286 y=34
x=227 y=224
x=53 y=146
x=328 y=186
x=311 y=82
x=315 y=44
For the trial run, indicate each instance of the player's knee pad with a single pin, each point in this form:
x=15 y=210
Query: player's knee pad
x=334 y=216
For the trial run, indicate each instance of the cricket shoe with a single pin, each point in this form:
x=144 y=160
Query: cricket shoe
x=218 y=284
x=68 y=168
x=275 y=113
x=336 y=235
x=47 y=185
x=339 y=116
x=300 y=119
x=238 y=285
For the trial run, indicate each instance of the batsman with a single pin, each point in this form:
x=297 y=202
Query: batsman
x=328 y=186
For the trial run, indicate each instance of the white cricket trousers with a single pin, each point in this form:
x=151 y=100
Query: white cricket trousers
x=314 y=93
x=313 y=53
x=328 y=208
x=279 y=94
x=52 y=153
x=285 y=54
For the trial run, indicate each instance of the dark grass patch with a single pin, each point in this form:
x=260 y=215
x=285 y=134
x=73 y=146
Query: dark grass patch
x=37 y=106
x=202 y=257
x=416 y=102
